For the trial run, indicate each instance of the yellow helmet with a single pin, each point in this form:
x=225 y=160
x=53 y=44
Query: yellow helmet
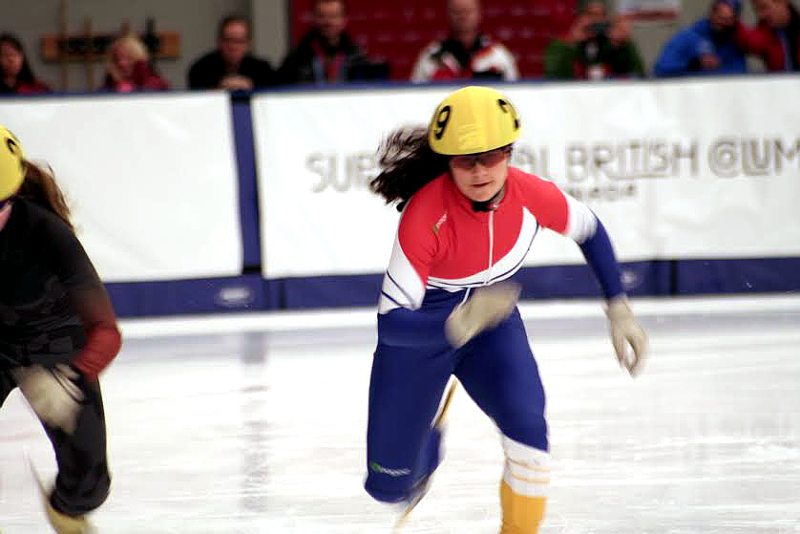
x=471 y=120
x=12 y=163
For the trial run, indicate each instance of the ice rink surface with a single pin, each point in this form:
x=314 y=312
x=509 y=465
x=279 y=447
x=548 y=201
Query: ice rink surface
x=256 y=424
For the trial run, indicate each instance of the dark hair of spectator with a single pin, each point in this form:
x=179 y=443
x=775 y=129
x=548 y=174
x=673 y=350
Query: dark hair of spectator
x=230 y=19
x=582 y=5
x=25 y=73
x=343 y=2
x=407 y=163
x=41 y=188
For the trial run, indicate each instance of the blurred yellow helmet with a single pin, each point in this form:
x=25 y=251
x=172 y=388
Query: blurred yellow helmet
x=471 y=120
x=12 y=163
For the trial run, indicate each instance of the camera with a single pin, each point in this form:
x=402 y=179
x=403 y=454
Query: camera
x=599 y=28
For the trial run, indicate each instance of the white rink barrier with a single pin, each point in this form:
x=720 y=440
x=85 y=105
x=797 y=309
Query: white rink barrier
x=698 y=169
x=151 y=178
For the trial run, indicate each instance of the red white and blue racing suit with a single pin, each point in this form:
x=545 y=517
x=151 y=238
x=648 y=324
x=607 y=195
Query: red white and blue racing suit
x=443 y=249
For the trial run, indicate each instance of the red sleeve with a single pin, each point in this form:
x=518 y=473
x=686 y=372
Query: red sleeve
x=416 y=234
x=751 y=40
x=103 y=340
x=545 y=201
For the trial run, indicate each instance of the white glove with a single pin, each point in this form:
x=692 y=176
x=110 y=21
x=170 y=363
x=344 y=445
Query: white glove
x=625 y=333
x=52 y=393
x=488 y=307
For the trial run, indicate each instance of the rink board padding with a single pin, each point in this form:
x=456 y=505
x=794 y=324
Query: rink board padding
x=642 y=279
x=207 y=202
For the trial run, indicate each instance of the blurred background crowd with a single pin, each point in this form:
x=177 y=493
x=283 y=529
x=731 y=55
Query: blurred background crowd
x=249 y=45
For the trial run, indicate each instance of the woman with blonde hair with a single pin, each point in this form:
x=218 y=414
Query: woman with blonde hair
x=58 y=332
x=128 y=68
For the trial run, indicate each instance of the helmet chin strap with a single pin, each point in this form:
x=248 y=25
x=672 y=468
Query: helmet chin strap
x=492 y=203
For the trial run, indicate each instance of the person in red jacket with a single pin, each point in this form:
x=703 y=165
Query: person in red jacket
x=776 y=38
x=58 y=332
x=466 y=52
x=17 y=76
x=129 y=69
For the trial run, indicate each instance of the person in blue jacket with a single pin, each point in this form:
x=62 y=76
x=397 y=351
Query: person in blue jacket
x=706 y=47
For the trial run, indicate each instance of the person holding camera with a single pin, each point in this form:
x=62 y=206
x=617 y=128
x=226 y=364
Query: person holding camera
x=596 y=47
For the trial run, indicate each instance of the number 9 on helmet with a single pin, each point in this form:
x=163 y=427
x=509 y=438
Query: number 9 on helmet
x=12 y=164
x=472 y=120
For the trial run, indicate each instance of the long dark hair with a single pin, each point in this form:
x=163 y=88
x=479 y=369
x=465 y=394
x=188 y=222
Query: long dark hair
x=41 y=188
x=25 y=73
x=407 y=163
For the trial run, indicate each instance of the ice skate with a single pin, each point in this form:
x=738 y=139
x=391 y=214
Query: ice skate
x=61 y=523
x=422 y=486
x=417 y=494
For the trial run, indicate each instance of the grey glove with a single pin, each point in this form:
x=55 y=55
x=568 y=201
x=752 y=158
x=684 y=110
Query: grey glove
x=626 y=332
x=486 y=308
x=53 y=393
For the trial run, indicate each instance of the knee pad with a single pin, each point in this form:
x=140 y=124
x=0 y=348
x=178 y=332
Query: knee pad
x=527 y=469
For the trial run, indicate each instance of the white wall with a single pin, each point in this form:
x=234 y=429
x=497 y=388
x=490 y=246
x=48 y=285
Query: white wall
x=271 y=23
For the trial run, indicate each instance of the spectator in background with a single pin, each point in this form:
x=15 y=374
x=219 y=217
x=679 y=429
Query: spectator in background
x=596 y=47
x=466 y=53
x=327 y=54
x=708 y=46
x=776 y=38
x=231 y=66
x=128 y=68
x=18 y=77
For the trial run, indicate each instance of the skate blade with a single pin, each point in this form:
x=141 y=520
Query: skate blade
x=58 y=522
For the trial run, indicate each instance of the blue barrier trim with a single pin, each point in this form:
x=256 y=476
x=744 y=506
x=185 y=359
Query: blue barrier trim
x=649 y=278
x=764 y=275
x=210 y=295
x=248 y=183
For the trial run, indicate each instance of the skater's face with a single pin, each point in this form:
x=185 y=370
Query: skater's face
x=480 y=177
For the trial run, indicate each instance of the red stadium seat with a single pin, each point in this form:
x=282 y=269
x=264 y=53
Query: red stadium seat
x=397 y=30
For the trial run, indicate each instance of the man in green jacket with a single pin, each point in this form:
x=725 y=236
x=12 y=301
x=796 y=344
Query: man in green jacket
x=596 y=47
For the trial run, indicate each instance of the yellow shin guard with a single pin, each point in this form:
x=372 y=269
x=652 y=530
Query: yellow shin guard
x=521 y=514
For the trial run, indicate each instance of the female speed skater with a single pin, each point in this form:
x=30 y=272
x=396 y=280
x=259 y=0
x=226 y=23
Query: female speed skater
x=447 y=308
